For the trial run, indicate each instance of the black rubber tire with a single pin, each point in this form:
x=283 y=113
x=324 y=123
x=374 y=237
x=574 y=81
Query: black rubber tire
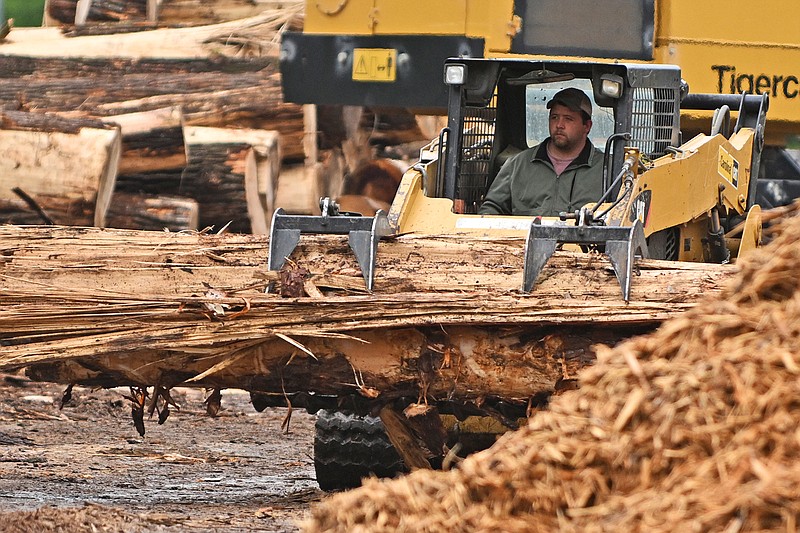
x=348 y=448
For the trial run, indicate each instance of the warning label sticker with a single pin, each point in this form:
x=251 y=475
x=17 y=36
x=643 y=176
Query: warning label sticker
x=728 y=167
x=374 y=64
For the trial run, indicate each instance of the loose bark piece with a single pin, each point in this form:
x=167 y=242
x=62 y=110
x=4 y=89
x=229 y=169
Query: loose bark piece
x=403 y=439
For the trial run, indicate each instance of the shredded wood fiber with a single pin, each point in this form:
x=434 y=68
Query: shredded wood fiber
x=692 y=428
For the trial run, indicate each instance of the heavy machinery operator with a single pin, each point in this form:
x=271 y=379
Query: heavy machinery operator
x=562 y=173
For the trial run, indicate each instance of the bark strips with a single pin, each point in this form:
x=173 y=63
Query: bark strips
x=446 y=319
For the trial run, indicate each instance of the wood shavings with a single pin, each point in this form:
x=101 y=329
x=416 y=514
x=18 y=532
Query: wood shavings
x=691 y=428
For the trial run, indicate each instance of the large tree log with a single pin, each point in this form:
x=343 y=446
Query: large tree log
x=259 y=170
x=151 y=140
x=446 y=319
x=67 y=168
x=143 y=212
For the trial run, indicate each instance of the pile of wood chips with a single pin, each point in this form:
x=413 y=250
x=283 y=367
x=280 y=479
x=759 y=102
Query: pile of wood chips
x=692 y=428
x=90 y=518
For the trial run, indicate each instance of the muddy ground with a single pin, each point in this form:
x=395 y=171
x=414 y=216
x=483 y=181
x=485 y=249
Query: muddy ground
x=85 y=467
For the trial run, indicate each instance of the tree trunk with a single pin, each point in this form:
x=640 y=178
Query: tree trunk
x=152 y=141
x=446 y=319
x=143 y=212
x=65 y=168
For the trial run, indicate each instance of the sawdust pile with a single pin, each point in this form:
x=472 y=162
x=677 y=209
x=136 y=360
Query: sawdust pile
x=693 y=428
x=90 y=519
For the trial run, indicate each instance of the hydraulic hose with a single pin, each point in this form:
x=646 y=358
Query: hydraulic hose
x=624 y=173
x=607 y=155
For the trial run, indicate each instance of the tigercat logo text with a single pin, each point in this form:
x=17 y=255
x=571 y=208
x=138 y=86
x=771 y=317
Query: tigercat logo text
x=776 y=85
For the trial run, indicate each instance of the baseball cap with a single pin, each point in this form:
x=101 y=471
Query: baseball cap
x=572 y=98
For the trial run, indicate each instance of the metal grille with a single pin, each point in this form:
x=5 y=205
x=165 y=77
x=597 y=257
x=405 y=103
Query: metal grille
x=477 y=138
x=652 y=119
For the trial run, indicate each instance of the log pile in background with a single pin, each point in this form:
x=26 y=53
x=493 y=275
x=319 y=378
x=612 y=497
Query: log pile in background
x=216 y=63
x=692 y=428
x=153 y=84
x=163 y=12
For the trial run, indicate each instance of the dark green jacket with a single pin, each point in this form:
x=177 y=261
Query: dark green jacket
x=527 y=184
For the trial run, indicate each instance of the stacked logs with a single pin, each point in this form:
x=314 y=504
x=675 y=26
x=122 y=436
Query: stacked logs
x=143 y=90
x=173 y=65
x=163 y=12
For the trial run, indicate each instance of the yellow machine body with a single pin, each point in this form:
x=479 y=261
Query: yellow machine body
x=756 y=52
x=706 y=172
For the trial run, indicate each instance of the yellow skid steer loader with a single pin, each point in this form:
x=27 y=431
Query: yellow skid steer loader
x=663 y=197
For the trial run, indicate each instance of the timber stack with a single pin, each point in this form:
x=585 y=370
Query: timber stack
x=154 y=68
x=142 y=88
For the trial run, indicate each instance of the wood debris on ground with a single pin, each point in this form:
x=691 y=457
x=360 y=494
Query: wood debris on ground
x=691 y=428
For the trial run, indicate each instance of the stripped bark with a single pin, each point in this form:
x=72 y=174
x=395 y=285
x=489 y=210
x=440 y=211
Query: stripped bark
x=446 y=319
